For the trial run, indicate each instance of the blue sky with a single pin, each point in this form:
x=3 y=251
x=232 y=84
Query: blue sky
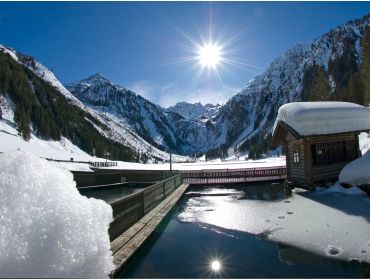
x=150 y=46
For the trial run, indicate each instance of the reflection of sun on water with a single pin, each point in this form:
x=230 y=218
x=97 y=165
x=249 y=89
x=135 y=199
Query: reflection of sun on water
x=215 y=265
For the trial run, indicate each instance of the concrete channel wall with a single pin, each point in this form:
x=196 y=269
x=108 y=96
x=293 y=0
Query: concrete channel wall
x=106 y=176
x=130 y=209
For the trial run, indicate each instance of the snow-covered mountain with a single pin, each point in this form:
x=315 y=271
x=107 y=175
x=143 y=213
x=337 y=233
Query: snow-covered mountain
x=335 y=66
x=324 y=69
x=149 y=121
x=105 y=124
x=165 y=129
x=196 y=111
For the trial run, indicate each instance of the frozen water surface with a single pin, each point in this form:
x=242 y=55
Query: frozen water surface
x=326 y=222
x=260 y=231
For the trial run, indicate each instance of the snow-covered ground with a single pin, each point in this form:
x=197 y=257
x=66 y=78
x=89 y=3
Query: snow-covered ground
x=217 y=164
x=58 y=150
x=47 y=229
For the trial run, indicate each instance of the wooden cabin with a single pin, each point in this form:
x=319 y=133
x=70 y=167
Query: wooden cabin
x=319 y=139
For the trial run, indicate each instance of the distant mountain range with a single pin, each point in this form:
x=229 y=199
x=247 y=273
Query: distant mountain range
x=335 y=66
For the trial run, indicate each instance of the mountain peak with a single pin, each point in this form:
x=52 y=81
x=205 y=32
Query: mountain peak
x=96 y=78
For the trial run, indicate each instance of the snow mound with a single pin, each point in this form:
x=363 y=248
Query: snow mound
x=356 y=173
x=47 y=229
x=315 y=118
x=337 y=188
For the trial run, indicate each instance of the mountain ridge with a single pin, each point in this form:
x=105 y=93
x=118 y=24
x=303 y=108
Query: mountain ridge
x=334 y=66
x=246 y=119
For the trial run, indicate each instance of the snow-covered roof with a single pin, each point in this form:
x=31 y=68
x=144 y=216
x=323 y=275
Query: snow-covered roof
x=321 y=118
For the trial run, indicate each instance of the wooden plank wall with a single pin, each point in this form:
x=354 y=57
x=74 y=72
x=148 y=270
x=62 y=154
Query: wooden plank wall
x=130 y=209
x=297 y=171
x=305 y=173
x=328 y=171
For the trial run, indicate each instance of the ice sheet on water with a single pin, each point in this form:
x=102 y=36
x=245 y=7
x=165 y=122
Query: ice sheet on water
x=214 y=191
x=327 y=223
x=47 y=229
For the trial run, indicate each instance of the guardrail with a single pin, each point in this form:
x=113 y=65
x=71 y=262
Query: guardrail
x=130 y=209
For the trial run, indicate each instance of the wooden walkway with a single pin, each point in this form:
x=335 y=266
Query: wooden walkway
x=230 y=176
x=125 y=245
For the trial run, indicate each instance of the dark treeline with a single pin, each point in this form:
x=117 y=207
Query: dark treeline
x=51 y=115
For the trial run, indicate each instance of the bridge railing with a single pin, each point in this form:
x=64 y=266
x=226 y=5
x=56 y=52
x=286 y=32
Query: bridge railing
x=234 y=175
x=99 y=164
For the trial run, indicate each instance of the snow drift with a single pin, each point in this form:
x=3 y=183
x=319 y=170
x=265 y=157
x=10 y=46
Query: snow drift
x=47 y=229
x=356 y=173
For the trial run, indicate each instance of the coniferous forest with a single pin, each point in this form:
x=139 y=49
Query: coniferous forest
x=39 y=106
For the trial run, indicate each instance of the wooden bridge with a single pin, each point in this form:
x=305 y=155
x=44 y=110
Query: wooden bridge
x=232 y=176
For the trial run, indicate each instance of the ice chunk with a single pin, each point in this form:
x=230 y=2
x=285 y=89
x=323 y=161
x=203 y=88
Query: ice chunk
x=47 y=229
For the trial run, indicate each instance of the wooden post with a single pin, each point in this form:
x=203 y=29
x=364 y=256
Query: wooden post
x=170 y=163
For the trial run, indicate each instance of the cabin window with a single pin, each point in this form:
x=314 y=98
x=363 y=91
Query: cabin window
x=332 y=152
x=295 y=154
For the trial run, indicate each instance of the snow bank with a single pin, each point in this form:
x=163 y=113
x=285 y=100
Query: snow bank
x=337 y=188
x=357 y=172
x=315 y=118
x=47 y=229
x=364 y=142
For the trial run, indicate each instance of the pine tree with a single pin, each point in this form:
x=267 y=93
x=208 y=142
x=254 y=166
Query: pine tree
x=365 y=69
x=319 y=89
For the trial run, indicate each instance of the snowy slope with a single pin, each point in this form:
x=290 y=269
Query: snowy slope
x=165 y=129
x=196 y=111
x=254 y=109
x=112 y=128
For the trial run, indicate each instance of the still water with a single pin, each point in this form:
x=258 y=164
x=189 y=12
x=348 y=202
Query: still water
x=232 y=233
x=114 y=193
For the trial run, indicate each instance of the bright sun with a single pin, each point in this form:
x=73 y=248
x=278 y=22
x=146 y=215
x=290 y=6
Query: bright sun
x=209 y=55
